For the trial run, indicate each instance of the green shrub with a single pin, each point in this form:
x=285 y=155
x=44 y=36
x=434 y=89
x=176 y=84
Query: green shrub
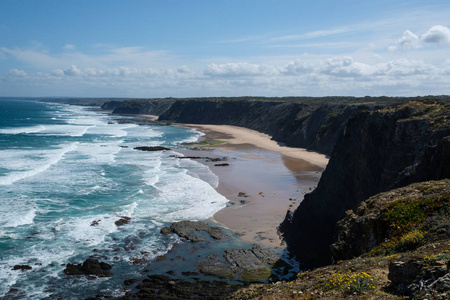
x=404 y=215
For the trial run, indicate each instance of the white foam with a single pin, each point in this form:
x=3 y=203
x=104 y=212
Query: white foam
x=128 y=210
x=39 y=166
x=201 y=171
x=194 y=138
x=181 y=196
x=20 y=219
x=82 y=230
x=22 y=130
x=64 y=130
x=102 y=152
x=113 y=130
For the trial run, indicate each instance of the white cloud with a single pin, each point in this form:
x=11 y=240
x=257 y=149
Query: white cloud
x=16 y=73
x=69 y=47
x=238 y=70
x=437 y=35
x=344 y=75
x=408 y=41
x=297 y=67
x=72 y=71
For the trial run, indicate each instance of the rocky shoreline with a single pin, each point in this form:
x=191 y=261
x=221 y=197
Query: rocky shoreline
x=209 y=263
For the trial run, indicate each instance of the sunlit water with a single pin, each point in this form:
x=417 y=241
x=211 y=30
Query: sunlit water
x=67 y=174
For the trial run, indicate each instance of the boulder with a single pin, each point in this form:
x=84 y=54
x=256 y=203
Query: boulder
x=151 y=148
x=22 y=267
x=89 y=267
x=187 y=229
x=122 y=221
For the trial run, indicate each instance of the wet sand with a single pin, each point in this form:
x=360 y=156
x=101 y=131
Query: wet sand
x=262 y=181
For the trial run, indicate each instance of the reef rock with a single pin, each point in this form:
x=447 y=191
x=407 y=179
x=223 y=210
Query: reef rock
x=89 y=267
x=187 y=230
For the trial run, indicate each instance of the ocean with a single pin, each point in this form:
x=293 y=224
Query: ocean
x=67 y=174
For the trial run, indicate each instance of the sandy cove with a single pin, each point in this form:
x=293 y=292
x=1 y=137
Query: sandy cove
x=263 y=179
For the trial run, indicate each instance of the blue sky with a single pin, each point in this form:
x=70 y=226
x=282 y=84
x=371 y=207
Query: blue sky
x=195 y=48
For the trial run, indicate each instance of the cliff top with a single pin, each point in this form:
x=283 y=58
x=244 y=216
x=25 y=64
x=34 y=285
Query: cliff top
x=436 y=112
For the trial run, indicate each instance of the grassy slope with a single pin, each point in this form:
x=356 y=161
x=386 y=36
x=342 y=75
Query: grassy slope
x=367 y=276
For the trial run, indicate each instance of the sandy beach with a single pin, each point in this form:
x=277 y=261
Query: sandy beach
x=262 y=180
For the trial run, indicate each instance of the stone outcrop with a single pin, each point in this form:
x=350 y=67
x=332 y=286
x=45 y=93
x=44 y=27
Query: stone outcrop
x=89 y=267
x=190 y=229
x=22 y=267
x=361 y=231
x=377 y=151
x=151 y=148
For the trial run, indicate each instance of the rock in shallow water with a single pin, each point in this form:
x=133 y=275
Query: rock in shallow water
x=89 y=267
x=186 y=229
x=22 y=267
x=151 y=148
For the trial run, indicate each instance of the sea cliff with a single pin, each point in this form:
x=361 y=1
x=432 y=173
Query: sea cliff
x=311 y=123
x=378 y=151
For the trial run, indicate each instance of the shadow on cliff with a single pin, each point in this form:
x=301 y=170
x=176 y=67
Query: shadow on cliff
x=377 y=151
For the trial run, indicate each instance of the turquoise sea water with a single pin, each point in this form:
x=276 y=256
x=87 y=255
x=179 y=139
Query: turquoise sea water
x=67 y=174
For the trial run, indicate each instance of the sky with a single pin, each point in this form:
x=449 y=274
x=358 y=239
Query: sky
x=200 y=48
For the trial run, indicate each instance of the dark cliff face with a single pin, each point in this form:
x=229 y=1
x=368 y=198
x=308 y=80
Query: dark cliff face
x=143 y=107
x=376 y=152
x=111 y=105
x=314 y=126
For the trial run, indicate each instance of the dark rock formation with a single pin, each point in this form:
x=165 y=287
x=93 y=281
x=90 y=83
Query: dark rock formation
x=111 y=105
x=377 y=151
x=187 y=230
x=248 y=263
x=408 y=278
x=122 y=221
x=164 y=287
x=151 y=148
x=89 y=267
x=22 y=267
x=130 y=281
x=212 y=266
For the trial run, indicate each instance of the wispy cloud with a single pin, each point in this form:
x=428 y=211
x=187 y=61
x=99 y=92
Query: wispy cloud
x=318 y=45
x=69 y=47
x=312 y=34
x=44 y=60
x=243 y=39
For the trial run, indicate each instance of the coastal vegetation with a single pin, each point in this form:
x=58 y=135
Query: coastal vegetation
x=417 y=265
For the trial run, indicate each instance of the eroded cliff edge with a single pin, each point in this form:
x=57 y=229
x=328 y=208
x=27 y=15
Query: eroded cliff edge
x=378 y=151
x=311 y=123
